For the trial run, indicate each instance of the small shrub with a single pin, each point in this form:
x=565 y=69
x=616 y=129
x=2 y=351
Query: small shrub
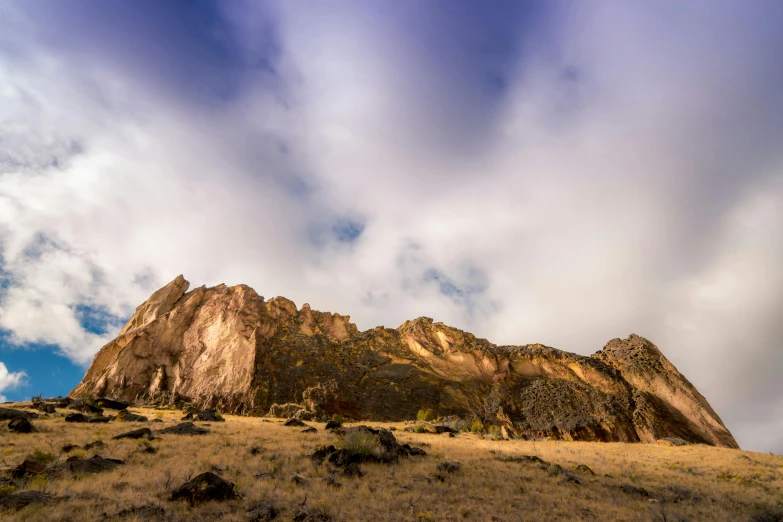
x=43 y=456
x=426 y=515
x=218 y=416
x=37 y=398
x=6 y=489
x=477 y=427
x=37 y=482
x=359 y=443
x=425 y=415
x=159 y=415
x=338 y=418
x=418 y=428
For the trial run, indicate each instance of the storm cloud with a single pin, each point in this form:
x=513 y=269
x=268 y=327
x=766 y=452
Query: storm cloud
x=554 y=172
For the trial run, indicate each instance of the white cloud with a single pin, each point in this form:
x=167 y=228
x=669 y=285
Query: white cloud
x=9 y=380
x=625 y=180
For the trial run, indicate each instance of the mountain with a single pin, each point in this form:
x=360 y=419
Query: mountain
x=227 y=348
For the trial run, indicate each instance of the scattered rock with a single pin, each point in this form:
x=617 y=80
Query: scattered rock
x=321 y=452
x=100 y=420
x=112 y=405
x=9 y=414
x=413 y=451
x=255 y=450
x=94 y=444
x=147 y=512
x=45 y=407
x=203 y=488
x=524 y=459
x=448 y=467
x=184 y=428
x=353 y=470
x=569 y=477
x=673 y=441
x=27 y=468
x=299 y=481
x=208 y=416
x=294 y=422
x=633 y=490
x=583 y=468
x=75 y=417
x=20 y=425
x=135 y=434
x=21 y=500
x=309 y=429
x=70 y=447
x=89 y=408
x=95 y=464
x=331 y=425
x=126 y=416
x=262 y=513
x=554 y=469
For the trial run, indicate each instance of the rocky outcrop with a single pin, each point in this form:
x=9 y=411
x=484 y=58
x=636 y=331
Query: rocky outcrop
x=227 y=348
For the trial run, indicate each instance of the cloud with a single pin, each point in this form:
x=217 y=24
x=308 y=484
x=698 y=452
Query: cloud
x=9 y=380
x=557 y=173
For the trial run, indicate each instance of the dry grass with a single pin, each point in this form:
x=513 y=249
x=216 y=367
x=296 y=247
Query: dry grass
x=687 y=483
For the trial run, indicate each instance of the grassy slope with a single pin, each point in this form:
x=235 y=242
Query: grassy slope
x=722 y=484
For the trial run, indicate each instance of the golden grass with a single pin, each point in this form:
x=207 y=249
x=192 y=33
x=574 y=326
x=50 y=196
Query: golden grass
x=713 y=483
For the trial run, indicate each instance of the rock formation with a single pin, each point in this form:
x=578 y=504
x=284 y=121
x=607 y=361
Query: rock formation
x=227 y=348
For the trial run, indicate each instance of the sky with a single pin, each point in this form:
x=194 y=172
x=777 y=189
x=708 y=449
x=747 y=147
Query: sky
x=562 y=172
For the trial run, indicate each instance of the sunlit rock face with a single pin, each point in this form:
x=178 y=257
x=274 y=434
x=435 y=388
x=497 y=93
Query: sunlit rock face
x=227 y=348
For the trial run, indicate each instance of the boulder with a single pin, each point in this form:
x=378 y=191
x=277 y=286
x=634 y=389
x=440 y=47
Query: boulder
x=208 y=416
x=204 y=488
x=112 y=404
x=45 y=407
x=20 y=425
x=75 y=417
x=294 y=422
x=29 y=467
x=100 y=419
x=11 y=414
x=184 y=428
x=95 y=464
x=309 y=429
x=141 y=433
x=127 y=416
x=332 y=425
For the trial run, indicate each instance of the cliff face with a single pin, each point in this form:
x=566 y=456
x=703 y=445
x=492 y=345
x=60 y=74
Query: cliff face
x=227 y=347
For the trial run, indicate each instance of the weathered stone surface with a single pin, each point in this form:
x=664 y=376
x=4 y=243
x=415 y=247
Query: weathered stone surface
x=228 y=348
x=75 y=417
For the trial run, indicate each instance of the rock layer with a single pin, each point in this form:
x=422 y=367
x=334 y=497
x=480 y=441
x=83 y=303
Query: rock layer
x=227 y=348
